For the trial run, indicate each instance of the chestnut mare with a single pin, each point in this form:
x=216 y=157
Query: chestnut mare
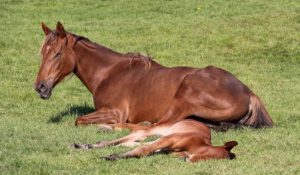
x=132 y=88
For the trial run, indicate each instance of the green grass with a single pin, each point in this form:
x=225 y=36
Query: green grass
x=258 y=41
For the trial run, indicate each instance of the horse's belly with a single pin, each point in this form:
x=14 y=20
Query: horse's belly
x=151 y=111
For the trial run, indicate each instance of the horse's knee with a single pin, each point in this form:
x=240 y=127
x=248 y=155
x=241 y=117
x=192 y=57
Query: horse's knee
x=105 y=128
x=78 y=122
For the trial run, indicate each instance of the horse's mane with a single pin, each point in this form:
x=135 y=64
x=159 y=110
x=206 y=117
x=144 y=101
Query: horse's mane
x=50 y=38
x=134 y=57
x=90 y=44
x=139 y=58
x=47 y=39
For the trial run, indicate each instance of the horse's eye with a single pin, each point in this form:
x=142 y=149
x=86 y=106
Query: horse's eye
x=57 y=55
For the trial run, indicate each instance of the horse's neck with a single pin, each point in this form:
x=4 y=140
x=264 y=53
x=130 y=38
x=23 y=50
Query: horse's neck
x=93 y=65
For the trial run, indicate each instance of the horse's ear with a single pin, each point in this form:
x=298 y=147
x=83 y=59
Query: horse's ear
x=60 y=30
x=45 y=28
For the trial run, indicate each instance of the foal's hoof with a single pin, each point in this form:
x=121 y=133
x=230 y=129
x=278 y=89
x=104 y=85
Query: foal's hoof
x=112 y=157
x=80 y=146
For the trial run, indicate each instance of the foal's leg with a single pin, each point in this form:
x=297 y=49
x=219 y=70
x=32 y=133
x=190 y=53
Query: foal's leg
x=162 y=143
x=130 y=140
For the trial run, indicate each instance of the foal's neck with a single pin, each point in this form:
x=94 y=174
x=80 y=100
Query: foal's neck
x=94 y=63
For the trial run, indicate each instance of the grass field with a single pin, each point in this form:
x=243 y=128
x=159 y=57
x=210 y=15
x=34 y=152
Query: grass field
x=258 y=41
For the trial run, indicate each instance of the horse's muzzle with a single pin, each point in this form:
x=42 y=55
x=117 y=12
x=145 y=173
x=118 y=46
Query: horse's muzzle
x=44 y=89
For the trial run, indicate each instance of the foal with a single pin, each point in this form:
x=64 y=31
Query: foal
x=189 y=138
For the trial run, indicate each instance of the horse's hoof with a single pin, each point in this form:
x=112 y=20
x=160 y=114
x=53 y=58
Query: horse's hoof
x=77 y=123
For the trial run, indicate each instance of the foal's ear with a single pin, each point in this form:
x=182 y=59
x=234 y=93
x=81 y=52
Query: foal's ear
x=60 y=30
x=45 y=28
x=229 y=145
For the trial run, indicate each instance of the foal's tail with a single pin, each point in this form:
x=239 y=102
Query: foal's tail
x=257 y=117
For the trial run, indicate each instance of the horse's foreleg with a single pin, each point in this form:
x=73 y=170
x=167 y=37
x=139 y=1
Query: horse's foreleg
x=121 y=126
x=132 y=127
x=99 y=117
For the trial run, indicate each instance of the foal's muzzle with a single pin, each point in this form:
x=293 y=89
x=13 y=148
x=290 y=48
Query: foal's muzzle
x=44 y=89
x=231 y=156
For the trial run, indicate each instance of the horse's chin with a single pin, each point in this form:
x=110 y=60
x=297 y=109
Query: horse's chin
x=45 y=96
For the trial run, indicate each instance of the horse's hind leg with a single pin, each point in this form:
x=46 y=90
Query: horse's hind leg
x=224 y=126
x=198 y=96
x=176 y=112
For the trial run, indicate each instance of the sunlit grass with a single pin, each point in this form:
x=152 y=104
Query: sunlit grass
x=258 y=41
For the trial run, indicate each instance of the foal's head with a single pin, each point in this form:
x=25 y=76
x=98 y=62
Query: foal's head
x=215 y=152
x=227 y=149
x=57 y=60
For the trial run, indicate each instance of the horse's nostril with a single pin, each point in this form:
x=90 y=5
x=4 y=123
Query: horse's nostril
x=42 y=87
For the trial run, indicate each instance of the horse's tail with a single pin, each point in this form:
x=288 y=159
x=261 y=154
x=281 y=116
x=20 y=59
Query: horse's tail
x=257 y=117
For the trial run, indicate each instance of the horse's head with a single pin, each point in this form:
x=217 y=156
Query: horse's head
x=57 y=60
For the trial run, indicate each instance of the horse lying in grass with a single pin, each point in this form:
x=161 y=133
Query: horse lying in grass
x=131 y=88
x=188 y=138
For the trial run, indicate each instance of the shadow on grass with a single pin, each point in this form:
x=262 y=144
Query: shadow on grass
x=71 y=110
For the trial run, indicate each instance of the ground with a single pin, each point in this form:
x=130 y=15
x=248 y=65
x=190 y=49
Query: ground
x=258 y=41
